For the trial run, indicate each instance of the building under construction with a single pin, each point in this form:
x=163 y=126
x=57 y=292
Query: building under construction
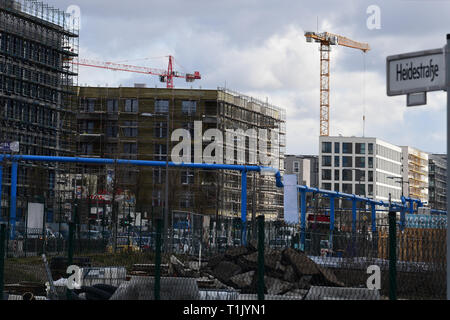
x=138 y=122
x=37 y=43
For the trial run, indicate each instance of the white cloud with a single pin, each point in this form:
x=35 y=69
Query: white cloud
x=258 y=48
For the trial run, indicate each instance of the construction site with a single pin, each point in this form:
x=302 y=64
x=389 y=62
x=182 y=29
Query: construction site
x=88 y=178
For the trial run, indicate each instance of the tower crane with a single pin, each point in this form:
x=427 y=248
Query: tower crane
x=164 y=75
x=326 y=40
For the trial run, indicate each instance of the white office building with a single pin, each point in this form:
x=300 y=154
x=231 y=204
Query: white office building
x=360 y=165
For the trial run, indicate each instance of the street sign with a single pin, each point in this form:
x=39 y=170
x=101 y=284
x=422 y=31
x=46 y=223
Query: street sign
x=9 y=146
x=416 y=99
x=415 y=72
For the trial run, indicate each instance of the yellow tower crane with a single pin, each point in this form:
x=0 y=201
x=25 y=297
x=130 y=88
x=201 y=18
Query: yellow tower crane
x=326 y=40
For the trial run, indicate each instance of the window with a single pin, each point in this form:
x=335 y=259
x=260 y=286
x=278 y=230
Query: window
x=326 y=161
x=112 y=105
x=370 y=190
x=347 y=147
x=360 y=189
x=156 y=198
x=161 y=106
x=360 y=148
x=130 y=132
x=347 y=161
x=186 y=201
x=370 y=148
x=336 y=174
x=337 y=147
x=160 y=129
x=347 y=188
x=130 y=148
x=360 y=175
x=89 y=104
x=130 y=129
x=189 y=107
x=187 y=177
x=160 y=152
x=111 y=129
x=370 y=162
x=87 y=148
x=111 y=148
x=326 y=174
x=159 y=175
x=360 y=162
x=326 y=147
x=336 y=161
x=370 y=176
x=326 y=186
x=347 y=175
x=296 y=167
x=131 y=105
x=336 y=187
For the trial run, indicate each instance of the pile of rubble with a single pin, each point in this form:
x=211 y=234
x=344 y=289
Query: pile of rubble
x=286 y=271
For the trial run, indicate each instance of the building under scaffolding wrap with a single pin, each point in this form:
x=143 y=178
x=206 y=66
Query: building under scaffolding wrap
x=37 y=43
x=132 y=123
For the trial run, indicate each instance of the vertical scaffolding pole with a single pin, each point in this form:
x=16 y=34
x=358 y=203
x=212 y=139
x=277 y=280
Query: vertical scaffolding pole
x=1 y=185
x=302 y=219
x=244 y=207
x=331 y=221
x=12 y=212
x=354 y=216
x=447 y=80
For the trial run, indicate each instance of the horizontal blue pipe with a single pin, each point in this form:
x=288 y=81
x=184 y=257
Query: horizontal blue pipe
x=352 y=197
x=147 y=163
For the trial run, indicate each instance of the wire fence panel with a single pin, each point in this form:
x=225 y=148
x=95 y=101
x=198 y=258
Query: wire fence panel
x=208 y=260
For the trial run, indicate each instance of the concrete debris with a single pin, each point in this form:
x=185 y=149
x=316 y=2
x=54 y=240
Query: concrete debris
x=285 y=270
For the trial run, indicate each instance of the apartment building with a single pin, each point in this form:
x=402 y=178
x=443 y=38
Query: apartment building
x=137 y=123
x=37 y=43
x=360 y=165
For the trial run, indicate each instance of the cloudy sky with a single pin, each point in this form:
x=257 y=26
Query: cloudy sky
x=258 y=47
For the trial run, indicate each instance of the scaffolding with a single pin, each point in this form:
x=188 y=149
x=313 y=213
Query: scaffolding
x=137 y=123
x=37 y=43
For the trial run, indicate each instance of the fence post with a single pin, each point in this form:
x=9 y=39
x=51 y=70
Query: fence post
x=261 y=257
x=158 y=260
x=70 y=254
x=392 y=255
x=2 y=259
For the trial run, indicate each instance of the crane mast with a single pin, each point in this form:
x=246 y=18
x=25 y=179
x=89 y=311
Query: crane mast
x=326 y=40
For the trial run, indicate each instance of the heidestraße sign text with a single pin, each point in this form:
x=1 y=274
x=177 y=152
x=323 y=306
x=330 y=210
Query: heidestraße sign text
x=415 y=72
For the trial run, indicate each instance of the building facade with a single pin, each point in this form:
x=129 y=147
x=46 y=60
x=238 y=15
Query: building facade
x=437 y=186
x=415 y=173
x=37 y=43
x=359 y=165
x=138 y=123
x=305 y=166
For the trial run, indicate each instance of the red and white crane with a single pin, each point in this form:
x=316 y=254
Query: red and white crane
x=164 y=75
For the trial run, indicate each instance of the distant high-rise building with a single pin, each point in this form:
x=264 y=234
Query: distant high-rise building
x=357 y=165
x=437 y=185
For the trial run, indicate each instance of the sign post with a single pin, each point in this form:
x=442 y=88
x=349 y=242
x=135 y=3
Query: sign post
x=447 y=88
x=414 y=74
